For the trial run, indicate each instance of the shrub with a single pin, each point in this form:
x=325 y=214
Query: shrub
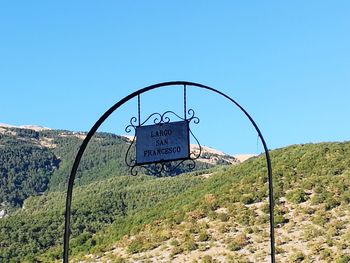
x=279 y=250
x=174 y=242
x=343 y=259
x=331 y=203
x=262 y=219
x=203 y=236
x=176 y=250
x=208 y=259
x=280 y=219
x=223 y=228
x=135 y=246
x=212 y=215
x=325 y=254
x=311 y=232
x=210 y=201
x=317 y=199
x=161 y=236
x=233 y=246
x=279 y=216
x=118 y=260
x=296 y=196
x=320 y=219
x=297 y=257
x=238 y=243
x=246 y=217
x=196 y=214
x=345 y=198
x=223 y=217
x=178 y=218
x=247 y=199
x=190 y=245
x=265 y=208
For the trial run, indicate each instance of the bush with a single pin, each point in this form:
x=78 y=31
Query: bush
x=233 y=246
x=208 y=259
x=297 y=257
x=247 y=199
x=190 y=245
x=178 y=218
x=279 y=250
x=310 y=232
x=345 y=198
x=325 y=254
x=279 y=216
x=319 y=219
x=265 y=208
x=238 y=243
x=223 y=217
x=262 y=219
x=279 y=219
x=176 y=250
x=135 y=246
x=212 y=215
x=174 y=242
x=246 y=217
x=203 y=236
x=343 y=259
x=331 y=203
x=296 y=196
x=118 y=260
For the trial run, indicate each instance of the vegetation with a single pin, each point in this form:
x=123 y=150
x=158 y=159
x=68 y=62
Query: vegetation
x=97 y=205
x=33 y=162
x=187 y=213
x=25 y=168
x=241 y=226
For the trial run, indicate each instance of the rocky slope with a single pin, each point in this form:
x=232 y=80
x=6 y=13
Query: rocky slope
x=229 y=222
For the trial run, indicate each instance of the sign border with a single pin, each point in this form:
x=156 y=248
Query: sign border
x=167 y=160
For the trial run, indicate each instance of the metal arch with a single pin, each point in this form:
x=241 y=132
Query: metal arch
x=120 y=103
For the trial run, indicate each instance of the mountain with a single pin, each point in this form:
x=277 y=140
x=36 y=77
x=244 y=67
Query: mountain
x=35 y=159
x=225 y=218
x=218 y=214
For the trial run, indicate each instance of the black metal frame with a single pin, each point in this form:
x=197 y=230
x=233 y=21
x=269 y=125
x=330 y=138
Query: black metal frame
x=120 y=103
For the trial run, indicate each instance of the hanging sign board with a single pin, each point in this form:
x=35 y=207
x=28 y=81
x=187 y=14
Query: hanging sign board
x=162 y=142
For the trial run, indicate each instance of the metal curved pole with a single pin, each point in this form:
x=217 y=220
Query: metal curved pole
x=115 y=107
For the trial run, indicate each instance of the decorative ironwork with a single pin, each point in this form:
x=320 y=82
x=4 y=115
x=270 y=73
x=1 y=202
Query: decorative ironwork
x=99 y=122
x=162 y=167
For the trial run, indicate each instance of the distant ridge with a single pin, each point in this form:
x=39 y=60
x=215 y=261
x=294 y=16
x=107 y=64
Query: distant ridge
x=30 y=127
x=233 y=159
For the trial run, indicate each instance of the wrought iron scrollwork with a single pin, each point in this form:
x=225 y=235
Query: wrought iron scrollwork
x=161 y=168
x=130 y=159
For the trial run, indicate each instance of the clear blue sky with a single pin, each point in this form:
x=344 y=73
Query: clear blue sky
x=63 y=63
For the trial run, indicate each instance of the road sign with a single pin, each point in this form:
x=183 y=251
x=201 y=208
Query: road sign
x=162 y=142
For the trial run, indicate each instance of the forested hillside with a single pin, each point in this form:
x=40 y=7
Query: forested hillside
x=32 y=161
x=39 y=225
x=25 y=167
x=219 y=215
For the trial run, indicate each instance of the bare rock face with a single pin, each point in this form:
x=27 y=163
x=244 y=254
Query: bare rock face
x=214 y=156
x=29 y=127
x=2 y=213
